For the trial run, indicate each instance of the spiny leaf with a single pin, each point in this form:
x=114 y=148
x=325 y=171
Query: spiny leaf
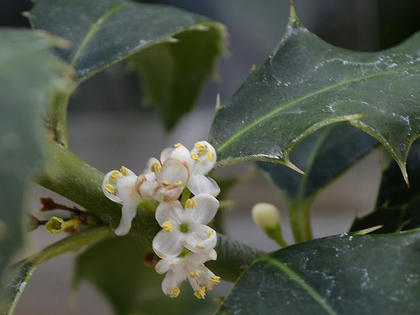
x=334 y=275
x=398 y=206
x=307 y=84
x=173 y=50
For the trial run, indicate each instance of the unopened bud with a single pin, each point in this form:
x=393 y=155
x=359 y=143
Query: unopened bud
x=266 y=216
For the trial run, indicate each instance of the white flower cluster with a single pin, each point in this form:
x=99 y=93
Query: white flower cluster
x=185 y=242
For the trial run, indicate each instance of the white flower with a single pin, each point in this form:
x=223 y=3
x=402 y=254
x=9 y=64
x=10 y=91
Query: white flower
x=187 y=266
x=204 y=158
x=198 y=163
x=166 y=179
x=185 y=227
x=120 y=187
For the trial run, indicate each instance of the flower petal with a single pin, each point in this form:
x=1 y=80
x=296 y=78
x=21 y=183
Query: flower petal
x=168 y=244
x=204 y=156
x=147 y=187
x=128 y=212
x=172 y=280
x=182 y=154
x=127 y=192
x=205 y=209
x=109 y=181
x=202 y=240
x=165 y=154
x=163 y=265
x=173 y=172
x=169 y=211
x=152 y=161
x=200 y=184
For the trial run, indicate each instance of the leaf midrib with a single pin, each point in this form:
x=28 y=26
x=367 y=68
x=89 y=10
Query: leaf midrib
x=301 y=282
x=270 y=114
x=94 y=29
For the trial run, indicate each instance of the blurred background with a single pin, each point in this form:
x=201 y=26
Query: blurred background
x=109 y=126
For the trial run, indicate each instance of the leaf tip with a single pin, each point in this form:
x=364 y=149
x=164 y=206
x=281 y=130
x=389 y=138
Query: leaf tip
x=293 y=15
x=294 y=167
x=218 y=105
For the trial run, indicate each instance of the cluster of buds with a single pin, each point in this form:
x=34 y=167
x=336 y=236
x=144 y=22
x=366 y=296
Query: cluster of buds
x=185 y=242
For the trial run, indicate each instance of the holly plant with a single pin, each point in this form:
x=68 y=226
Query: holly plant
x=153 y=241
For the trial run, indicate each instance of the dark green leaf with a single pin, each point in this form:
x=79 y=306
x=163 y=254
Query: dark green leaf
x=173 y=50
x=29 y=73
x=398 y=206
x=323 y=156
x=115 y=266
x=335 y=275
x=307 y=84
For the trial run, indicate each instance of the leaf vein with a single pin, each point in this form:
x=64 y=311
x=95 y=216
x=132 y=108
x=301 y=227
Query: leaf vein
x=94 y=29
x=301 y=282
x=270 y=114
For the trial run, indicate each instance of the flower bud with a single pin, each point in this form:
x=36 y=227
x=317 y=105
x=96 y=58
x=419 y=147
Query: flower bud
x=266 y=216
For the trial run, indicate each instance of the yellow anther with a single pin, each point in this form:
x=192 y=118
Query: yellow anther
x=215 y=279
x=178 y=183
x=115 y=175
x=124 y=171
x=177 y=145
x=210 y=233
x=111 y=189
x=195 y=156
x=174 y=292
x=167 y=226
x=200 y=294
x=210 y=156
x=200 y=147
x=190 y=203
x=156 y=167
x=199 y=245
x=165 y=183
x=195 y=274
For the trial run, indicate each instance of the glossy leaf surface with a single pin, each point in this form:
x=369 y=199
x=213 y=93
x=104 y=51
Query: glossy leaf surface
x=173 y=50
x=335 y=275
x=307 y=84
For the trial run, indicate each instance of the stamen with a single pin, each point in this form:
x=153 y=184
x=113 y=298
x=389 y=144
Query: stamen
x=111 y=189
x=199 y=245
x=115 y=175
x=156 y=167
x=215 y=279
x=210 y=156
x=167 y=227
x=195 y=156
x=165 y=183
x=210 y=233
x=190 y=203
x=195 y=274
x=200 y=294
x=174 y=292
x=124 y=171
x=200 y=147
x=177 y=145
x=178 y=183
